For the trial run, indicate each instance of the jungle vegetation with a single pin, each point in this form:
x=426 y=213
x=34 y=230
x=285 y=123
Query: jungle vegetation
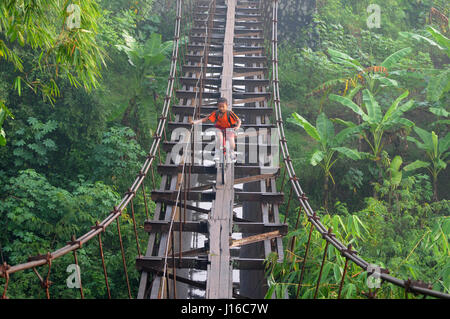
x=367 y=113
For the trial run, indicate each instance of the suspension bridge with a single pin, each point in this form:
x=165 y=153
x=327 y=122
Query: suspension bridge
x=215 y=222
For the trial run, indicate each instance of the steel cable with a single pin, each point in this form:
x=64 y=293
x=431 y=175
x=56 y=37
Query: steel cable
x=170 y=231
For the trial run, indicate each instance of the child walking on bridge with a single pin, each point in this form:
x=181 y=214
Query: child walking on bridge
x=224 y=119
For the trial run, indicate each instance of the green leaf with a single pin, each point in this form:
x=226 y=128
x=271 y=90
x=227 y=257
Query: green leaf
x=439 y=111
x=351 y=288
x=353 y=91
x=419 y=38
x=405 y=107
x=435 y=140
x=342 y=55
x=420 y=145
x=327 y=85
x=361 y=223
x=395 y=57
x=325 y=129
x=345 y=134
x=317 y=157
x=437 y=86
x=441 y=164
x=396 y=173
x=2 y=137
x=440 y=38
x=349 y=64
x=396 y=163
x=387 y=82
x=350 y=104
x=326 y=270
x=337 y=272
x=444 y=143
x=356 y=227
x=394 y=106
x=426 y=138
x=302 y=122
x=400 y=121
x=350 y=153
x=18 y=85
x=445 y=122
x=345 y=123
x=372 y=106
x=415 y=165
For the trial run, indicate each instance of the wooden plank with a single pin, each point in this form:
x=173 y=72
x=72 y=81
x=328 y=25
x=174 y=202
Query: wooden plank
x=243 y=180
x=188 y=207
x=247 y=34
x=193 y=252
x=250 y=179
x=256 y=238
x=249 y=40
x=240 y=169
x=149 y=263
x=205 y=126
x=218 y=69
x=157 y=195
x=256 y=73
x=241 y=146
x=239 y=110
x=202 y=196
x=251 y=100
x=248 y=263
x=236 y=95
x=220 y=277
x=218 y=59
x=159 y=226
x=153 y=263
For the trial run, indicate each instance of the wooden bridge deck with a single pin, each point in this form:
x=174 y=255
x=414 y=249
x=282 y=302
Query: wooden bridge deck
x=236 y=70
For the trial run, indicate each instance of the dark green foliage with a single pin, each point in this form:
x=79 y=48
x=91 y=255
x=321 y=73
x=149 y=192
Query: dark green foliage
x=66 y=165
x=405 y=227
x=116 y=156
x=33 y=147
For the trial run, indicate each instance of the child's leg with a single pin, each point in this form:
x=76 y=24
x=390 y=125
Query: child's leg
x=230 y=138
x=219 y=142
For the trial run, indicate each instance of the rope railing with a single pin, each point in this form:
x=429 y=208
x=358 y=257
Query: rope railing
x=327 y=234
x=36 y=261
x=197 y=105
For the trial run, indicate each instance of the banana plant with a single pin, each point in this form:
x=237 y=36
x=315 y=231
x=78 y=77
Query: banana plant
x=330 y=144
x=395 y=176
x=375 y=123
x=144 y=58
x=437 y=151
x=357 y=77
x=439 y=80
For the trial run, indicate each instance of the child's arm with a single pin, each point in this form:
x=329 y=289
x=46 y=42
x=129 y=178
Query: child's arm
x=238 y=125
x=203 y=120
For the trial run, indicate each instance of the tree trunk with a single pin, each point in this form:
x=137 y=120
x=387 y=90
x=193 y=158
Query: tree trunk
x=380 y=178
x=126 y=115
x=358 y=101
x=325 y=191
x=435 y=190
